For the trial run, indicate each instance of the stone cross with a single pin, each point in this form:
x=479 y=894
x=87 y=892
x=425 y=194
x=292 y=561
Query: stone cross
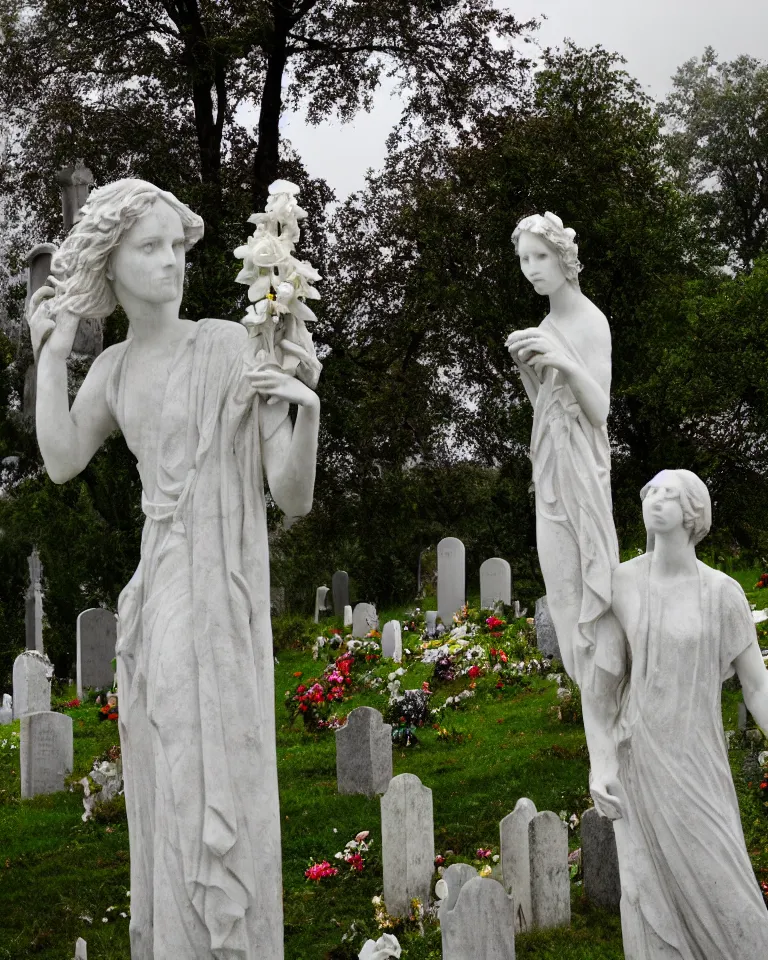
x=600 y=861
x=546 y=636
x=550 y=881
x=32 y=674
x=408 y=843
x=364 y=619
x=364 y=753
x=96 y=639
x=340 y=588
x=392 y=641
x=495 y=583
x=481 y=923
x=321 y=602
x=450 y=578
x=515 y=860
x=34 y=604
x=46 y=752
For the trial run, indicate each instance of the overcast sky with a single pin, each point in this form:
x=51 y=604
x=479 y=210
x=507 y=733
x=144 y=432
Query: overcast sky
x=655 y=36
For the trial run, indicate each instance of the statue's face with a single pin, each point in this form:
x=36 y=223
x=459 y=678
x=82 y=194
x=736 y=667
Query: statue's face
x=148 y=264
x=540 y=264
x=662 y=509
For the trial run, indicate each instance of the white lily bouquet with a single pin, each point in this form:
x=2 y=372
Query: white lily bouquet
x=279 y=285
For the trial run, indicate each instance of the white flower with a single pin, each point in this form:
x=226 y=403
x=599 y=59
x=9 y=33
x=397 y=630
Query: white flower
x=384 y=948
x=495 y=858
x=105 y=919
x=441 y=889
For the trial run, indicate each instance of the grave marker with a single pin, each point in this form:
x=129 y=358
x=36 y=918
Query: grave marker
x=481 y=924
x=321 y=602
x=408 y=843
x=46 y=752
x=550 y=881
x=546 y=635
x=364 y=619
x=364 y=753
x=495 y=583
x=600 y=861
x=340 y=588
x=392 y=641
x=450 y=578
x=34 y=604
x=348 y=616
x=515 y=860
x=32 y=673
x=96 y=640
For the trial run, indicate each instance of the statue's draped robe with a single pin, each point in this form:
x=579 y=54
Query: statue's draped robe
x=195 y=673
x=688 y=889
x=572 y=480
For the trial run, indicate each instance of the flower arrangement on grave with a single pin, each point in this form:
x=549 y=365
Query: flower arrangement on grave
x=406 y=714
x=314 y=700
x=762 y=581
x=103 y=783
x=109 y=710
x=279 y=286
x=353 y=851
x=568 y=708
x=320 y=871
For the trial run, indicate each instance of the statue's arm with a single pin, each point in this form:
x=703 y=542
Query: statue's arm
x=69 y=438
x=290 y=452
x=754 y=682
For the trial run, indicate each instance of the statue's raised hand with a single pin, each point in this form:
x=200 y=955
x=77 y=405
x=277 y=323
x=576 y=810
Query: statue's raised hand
x=56 y=328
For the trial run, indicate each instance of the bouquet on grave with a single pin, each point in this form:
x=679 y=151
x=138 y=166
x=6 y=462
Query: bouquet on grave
x=109 y=710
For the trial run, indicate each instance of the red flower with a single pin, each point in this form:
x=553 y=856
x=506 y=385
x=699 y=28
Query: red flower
x=301 y=688
x=355 y=861
x=474 y=671
x=503 y=656
x=493 y=652
x=112 y=716
x=500 y=685
x=439 y=860
x=297 y=673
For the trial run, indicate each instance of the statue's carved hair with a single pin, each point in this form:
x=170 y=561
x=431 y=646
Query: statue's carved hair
x=562 y=240
x=81 y=263
x=694 y=500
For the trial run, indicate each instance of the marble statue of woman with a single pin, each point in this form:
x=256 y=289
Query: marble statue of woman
x=688 y=889
x=565 y=364
x=194 y=624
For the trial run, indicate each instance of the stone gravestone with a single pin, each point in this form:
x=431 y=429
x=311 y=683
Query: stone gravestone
x=32 y=673
x=481 y=924
x=364 y=753
x=495 y=583
x=546 y=637
x=46 y=752
x=392 y=641
x=515 y=862
x=550 y=881
x=34 y=604
x=430 y=618
x=364 y=619
x=340 y=588
x=81 y=949
x=450 y=578
x=6 y=711
x=321 y=602
x=348 y=616
x=96 y=639
x=408 y=843
x=600 y=861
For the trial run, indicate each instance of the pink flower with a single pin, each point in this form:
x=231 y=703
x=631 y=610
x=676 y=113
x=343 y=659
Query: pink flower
x=355 y=861
x=363 y=835
x=483 y=854
x=318 y=871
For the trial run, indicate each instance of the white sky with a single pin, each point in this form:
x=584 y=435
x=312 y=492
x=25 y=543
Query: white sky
x=655 y=36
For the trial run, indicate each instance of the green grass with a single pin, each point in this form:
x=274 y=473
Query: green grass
x=54 y=868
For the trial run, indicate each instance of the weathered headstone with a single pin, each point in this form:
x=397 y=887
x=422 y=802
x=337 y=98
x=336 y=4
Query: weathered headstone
x=34 y=604
x=392 y=641
x=408 y=843
x=364 y=753
x=515 y=862
x=6 y=711
x=364 y=619
x=550 y=881
x=96 y=639
x=340 y=588
x=32 y=673
x=495 y=583
x=481 y=924
x=546 y=636
x=348 y=616
x=321 y=602
x=451 y=579
x=430 y=618
x=81 y=949
x=46 y=752
x=600 y=861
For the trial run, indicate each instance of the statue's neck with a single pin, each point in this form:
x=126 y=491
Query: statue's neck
x=674 y=556
x=564 y=299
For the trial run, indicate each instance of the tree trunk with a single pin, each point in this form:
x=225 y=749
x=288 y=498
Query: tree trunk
x=267 y=157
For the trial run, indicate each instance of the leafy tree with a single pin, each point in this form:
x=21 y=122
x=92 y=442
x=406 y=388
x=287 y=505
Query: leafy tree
x=717 y=145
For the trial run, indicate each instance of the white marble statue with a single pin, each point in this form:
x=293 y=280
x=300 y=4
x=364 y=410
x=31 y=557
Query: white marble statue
x=688 y=889
x=565 y=364
x=194 y=653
